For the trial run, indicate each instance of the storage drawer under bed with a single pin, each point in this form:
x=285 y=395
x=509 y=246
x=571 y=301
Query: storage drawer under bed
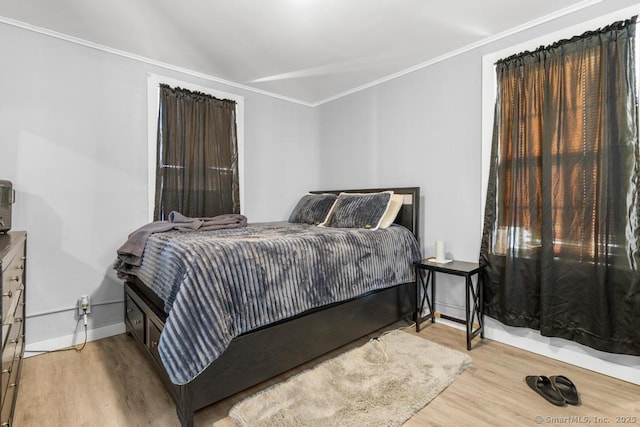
x=154 y=339
x=135 y=319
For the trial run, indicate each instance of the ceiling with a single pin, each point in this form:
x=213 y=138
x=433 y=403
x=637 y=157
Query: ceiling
x=308 y=51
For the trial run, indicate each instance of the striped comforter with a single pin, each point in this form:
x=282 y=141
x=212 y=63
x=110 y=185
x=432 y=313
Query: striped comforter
x=217 y=285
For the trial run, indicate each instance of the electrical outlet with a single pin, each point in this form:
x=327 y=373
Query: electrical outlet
x=84 y=306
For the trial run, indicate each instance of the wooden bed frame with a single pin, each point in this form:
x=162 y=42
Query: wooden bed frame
x=271 y=350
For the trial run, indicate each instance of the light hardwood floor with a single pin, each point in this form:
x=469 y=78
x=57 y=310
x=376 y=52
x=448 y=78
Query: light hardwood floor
x=111 y=384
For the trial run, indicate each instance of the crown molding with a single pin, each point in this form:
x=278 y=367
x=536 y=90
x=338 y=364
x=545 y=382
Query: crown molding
x=164 y=65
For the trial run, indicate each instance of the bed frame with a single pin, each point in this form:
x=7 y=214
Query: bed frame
x=271 y=350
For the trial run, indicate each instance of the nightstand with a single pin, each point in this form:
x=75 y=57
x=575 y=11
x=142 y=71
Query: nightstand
x=473 y=321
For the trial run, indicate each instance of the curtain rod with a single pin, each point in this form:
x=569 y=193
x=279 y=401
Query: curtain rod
x=616 y=26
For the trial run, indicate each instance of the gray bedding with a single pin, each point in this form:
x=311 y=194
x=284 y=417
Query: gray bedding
x=132 y=250
x=217 y=285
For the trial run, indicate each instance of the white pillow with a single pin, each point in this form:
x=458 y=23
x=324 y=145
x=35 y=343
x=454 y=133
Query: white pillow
x=392 y=211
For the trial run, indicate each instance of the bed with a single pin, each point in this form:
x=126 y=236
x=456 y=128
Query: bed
x=256 y=353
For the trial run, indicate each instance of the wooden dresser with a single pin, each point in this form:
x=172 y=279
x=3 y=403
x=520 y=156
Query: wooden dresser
x=13 y=258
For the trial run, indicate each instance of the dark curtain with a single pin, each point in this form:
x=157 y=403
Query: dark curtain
x=560 y=239
x=197 y=162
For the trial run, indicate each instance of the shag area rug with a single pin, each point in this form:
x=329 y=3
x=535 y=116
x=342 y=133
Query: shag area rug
x=383 y=383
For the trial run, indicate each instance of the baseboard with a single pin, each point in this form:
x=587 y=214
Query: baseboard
x=623 y=367
x=619 y=366
x=33 y=349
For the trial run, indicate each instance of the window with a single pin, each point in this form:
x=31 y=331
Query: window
x=562 y=159
x=212 y=168
x=572 y=159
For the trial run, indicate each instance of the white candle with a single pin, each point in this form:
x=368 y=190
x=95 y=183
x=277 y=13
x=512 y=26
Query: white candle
x=440 y=257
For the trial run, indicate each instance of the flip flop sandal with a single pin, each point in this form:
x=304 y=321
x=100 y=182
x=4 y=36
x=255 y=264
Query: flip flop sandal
x=566 y=388
x=544 y=387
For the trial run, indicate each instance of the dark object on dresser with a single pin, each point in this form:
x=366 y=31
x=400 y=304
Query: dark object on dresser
x=13 y=255
x=268 y=351
x=7 y=197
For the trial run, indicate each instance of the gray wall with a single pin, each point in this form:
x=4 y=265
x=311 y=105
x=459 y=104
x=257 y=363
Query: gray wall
x=425 y=129
x=73 y=133
x=418 y=130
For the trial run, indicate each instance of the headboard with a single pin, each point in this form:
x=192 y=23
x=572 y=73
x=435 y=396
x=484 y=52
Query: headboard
x=409 y=215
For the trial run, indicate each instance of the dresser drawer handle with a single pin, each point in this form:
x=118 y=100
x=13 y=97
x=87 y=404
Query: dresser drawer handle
x=17 y=340
x=5 y=425
x=7 y=371
x=13 y=384
x=8 y=294
x=154 y=343
x=20 y=267
x=129 y=310
x=18 y=319
x=137 y=322
x=15 y=279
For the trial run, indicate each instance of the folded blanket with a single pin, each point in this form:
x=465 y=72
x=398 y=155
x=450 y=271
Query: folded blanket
x=131 y=252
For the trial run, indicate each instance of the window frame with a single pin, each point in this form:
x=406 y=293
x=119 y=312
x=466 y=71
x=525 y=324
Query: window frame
x=153 y=104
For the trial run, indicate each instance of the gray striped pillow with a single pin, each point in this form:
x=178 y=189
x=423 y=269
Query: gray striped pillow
x=312 y=208
x=358 y=210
